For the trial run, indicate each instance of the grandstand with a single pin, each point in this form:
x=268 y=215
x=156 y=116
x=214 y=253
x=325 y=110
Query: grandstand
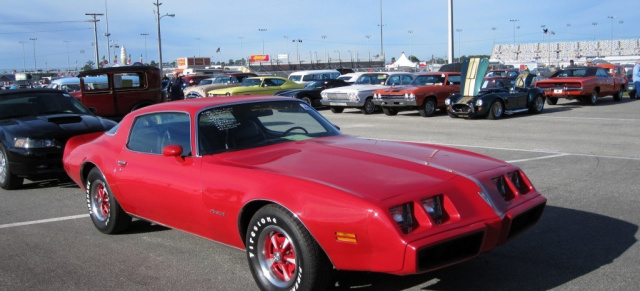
x=624 y=51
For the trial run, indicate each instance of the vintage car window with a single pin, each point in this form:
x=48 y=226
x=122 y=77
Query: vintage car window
x=394 y=80
x=602 y=73
x=251 y=125
x=428 y=80
x=295 y=78
x=128 y=80
x=496 y=83
x=406 y=79
x=372 y=79
x=96 y=82
x=251 y=82
x=150 y=133
x=454 y=79
x=513 y=74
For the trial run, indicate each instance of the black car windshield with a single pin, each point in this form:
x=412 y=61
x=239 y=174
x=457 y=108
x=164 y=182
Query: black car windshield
x=315 y=85
x=373 y=79
x=39 y=103
x=257 y=124
x=428 y=80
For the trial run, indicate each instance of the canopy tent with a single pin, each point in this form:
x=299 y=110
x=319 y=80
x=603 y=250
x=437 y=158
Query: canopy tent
x=402 y=63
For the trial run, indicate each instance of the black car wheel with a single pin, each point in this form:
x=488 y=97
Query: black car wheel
x=368 y=107
x=593 y=100
x=552 y=100
x=537 y=105
x=8 y=181
x=105 y=211
x=618 y=95
x=496 y=110
x=428 y=109
x=336 y=109
x=283 y=255
x=389 y=111
x=307 y=100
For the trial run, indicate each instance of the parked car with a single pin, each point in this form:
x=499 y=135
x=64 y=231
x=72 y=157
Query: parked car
x=360 y=94
x=426 y=94
x=265 y=85
x=351 y=77
x=583 y=83
x=272 y=176
x=618 y=73
x=115 y=91
x=311 y=93
x=308 y=76
x=227 y=80
x=192 y=80
x=35 y=124
x=495 y=96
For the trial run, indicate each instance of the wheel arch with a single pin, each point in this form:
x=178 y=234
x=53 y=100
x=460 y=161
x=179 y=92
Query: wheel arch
x=85 y=170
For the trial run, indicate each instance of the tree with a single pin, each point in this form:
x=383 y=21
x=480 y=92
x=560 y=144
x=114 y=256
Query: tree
x=414 y=59
x=153 y=64
x=87 y=66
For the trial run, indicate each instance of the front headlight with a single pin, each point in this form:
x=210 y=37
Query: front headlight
x=410 y=97
x=479 y=102
x=353 y=96
x=403 y=216
x=30 y=143
x=433 y=207
x=447 y=102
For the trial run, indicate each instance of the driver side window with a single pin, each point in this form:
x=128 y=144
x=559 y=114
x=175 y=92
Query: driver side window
x=152 y=132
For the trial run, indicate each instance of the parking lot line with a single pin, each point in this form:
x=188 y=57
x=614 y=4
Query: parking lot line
x=43 y=221
x=539 y=158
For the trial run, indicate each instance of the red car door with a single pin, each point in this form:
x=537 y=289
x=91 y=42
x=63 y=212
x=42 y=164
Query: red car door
x=163 y=189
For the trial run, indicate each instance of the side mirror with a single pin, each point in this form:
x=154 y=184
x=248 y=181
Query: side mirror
x=173 y=150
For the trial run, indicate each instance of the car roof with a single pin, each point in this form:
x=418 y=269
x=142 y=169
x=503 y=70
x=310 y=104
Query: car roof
x=29 y=91
x=124 y=69
x=194 y=105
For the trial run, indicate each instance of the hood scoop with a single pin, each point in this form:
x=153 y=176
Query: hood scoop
x=65 y=119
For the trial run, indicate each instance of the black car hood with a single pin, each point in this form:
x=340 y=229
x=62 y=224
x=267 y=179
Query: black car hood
x=56 y=126
x=294 y=92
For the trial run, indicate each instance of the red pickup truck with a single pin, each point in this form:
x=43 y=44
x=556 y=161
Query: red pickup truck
x=582 y=83
x=113 y=92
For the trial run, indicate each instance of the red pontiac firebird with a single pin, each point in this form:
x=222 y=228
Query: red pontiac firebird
x=272 y=176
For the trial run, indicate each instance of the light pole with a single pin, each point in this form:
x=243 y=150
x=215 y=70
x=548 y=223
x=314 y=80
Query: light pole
x=611 y=47
x=145 y=46
x=262 y=30
x=35 y=63
x=410 y=43
x=68 y=64
x=241 y=53
x=339 y=58
x=595 y=25
x=24 y=58
x=324 y=37
x=459 y=31
x=514 y=28
x=286 y=42
x=368 y=36
x=297 y=41
x=106 y=33
x=381 y=42
x=158 y=17
x=494 y=35
x=544 y=31
x=95 y=34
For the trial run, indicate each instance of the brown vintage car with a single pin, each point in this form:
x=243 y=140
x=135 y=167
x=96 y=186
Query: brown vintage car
x=221 y=81
x=583 y=83
x=426 y=94
x=113 y=92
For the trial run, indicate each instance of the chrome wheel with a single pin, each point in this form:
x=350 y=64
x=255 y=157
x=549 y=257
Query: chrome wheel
x=4 y=168
x=100 y=202
x=594 y=98
x=369 y=107
x=496 y=110
x=277 y=256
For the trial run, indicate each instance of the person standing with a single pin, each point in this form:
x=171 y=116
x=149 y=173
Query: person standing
x=175 y=87
x=636 y=80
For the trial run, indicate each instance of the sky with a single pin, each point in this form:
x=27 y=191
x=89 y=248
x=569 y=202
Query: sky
x=51 y=34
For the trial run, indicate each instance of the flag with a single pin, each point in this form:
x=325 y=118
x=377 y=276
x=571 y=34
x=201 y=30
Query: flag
x=104 y=61
x=218 y=50
x=115 y=60
x=141 y=59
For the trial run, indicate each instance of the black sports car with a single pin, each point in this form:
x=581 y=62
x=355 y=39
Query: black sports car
x=494 y=97
x=35 y=124
x=311 y=93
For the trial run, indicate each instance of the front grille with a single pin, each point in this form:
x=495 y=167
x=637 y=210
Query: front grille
x=461 y=108
x=449 y=251
x=525 y=220
x=337 y=96
x=392 y=96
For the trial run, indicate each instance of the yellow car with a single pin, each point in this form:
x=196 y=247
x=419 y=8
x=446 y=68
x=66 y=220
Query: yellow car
x=267 y=85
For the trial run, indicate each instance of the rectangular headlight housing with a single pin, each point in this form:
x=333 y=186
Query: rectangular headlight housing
x=30 y=143
x=433 y=207
x=403 y=216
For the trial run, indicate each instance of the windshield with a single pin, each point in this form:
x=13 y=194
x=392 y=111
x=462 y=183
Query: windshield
x=252 y=125
x=315 y=85
x=579 y=72
x=373 y=79
x=39 y=103
x=496 y=83
x=423 y=80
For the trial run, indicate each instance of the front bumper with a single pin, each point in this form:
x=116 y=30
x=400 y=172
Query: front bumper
x=394 y=102
x=466 y=110
x=36 y=164
x=341 y=103
x=565 y=93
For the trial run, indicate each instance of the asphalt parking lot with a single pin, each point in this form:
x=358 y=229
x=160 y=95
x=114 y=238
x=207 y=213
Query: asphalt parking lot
x=584 y=159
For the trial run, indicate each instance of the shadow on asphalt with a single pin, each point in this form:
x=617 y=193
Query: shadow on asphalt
x=565 y=244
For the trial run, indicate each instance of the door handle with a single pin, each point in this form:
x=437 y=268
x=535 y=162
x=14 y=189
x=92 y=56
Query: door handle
x=122 y=163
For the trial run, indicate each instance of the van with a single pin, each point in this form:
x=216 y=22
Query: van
x=306 y=77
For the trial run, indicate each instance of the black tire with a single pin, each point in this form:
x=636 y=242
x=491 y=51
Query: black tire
x=552 y=100
x=632 y=94
x=593 y=99
x=369 y=107
x=428 y=108
x=105 y=211
x=496 y=111
x=389 y=111
x=307 y=100
x=618 y=95
x=276 y=268
x=8 y=181
x=336 y=109
x=537 y=105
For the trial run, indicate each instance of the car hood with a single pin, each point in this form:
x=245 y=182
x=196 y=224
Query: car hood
x=371 y=169
x=356 y=88
x=292 y=92
x=56 y=126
